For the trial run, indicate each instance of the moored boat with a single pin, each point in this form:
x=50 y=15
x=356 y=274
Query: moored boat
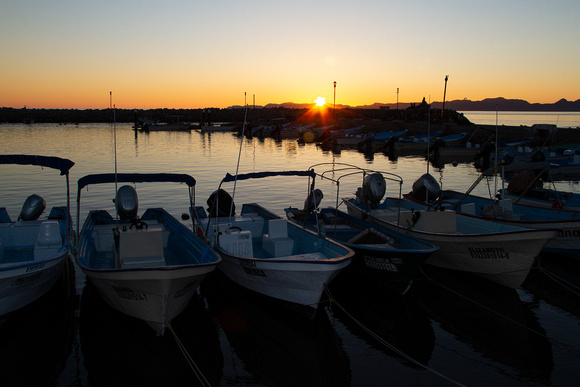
x=267 y=254
x=166 y=127
x=33 y=250
x=527 y=187
x=382 y=255
x=504 y=211
x=218 y=128
x=498 y=252
x=148 y=267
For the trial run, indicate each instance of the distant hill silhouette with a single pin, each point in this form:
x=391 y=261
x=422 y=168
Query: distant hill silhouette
x=288 y=110
x=488 y=104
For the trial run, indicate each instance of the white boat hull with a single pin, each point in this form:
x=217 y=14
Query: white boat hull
x=148 y=267
x=502 y=257
x=155 y=296
x=21 y=286
x=297 y=282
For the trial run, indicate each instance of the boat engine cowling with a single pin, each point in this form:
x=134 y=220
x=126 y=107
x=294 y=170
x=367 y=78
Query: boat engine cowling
x=220 y=203
x=127 y=203
x=32 y=208
x=374 y=188
x=313 y=201
x=426 y=188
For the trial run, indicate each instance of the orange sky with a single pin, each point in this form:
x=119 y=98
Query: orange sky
x=179 y=54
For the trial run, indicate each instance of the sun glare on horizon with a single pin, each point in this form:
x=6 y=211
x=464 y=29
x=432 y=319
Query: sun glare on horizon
x=320 y=101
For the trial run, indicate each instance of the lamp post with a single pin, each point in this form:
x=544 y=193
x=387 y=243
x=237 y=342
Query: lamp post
x=334 y=106
x=397 y=98
x=444 y=92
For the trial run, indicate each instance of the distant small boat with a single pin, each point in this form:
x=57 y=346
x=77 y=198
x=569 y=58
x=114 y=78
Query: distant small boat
x=386 y=136
x=421 y=138
x=148 y=267
x=165 y=127
x=433 y=143
x=33 y=250
x=217 y=128
x=310 y=134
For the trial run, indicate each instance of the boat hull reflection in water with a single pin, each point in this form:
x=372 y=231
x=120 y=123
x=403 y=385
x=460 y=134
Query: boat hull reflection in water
x=118 y=352
x=276 y=345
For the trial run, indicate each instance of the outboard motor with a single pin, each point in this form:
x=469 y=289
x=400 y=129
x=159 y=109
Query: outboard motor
x=374 y=188
x=313 y=201
x=33 y=206
x=426 y=188
x=537 y=156
x=127 y=203
x=224 y=203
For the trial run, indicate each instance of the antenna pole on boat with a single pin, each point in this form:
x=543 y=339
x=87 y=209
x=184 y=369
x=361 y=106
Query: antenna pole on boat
x=115 y=147
x=428 y=132
x=496 y=140
x=239 y=155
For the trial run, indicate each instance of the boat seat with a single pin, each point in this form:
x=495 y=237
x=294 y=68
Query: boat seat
x=48 y=241
x=276 y=243
x=103 y=237
x=140 y=248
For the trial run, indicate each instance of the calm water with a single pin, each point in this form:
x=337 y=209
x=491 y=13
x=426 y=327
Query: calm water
x=560 y=119
x=445 y=331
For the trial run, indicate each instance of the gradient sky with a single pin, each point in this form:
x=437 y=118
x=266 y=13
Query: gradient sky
x=196 y=54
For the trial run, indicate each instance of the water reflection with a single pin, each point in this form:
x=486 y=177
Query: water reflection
x=395 y=319
x=36 y=340
x=278 y=346
x=121 y=350
x=556 y=280
x=490 y=318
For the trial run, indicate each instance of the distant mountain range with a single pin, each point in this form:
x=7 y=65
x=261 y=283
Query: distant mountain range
x=488 y=104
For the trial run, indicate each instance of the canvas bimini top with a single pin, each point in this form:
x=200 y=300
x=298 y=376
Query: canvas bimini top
x=63 y=165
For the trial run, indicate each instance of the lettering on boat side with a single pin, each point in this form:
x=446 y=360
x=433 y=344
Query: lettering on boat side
x=35 y=267
x=245 y=263
x=488 y=253
x=25 y=280
x=129 y=294
x=256 y=272
x=250 y=268
x=380 y=263
x=569 y=233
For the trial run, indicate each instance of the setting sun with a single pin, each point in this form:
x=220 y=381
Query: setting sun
x=320 y=101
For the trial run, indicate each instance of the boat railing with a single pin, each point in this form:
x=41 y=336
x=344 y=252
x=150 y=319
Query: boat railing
x=344 y=170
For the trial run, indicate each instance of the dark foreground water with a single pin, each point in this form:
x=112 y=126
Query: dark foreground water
x=449 y=329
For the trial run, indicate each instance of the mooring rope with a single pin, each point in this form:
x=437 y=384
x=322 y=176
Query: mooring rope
x=332 y=300
x=573 y=350
x=560 y=281
x=202 y=379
